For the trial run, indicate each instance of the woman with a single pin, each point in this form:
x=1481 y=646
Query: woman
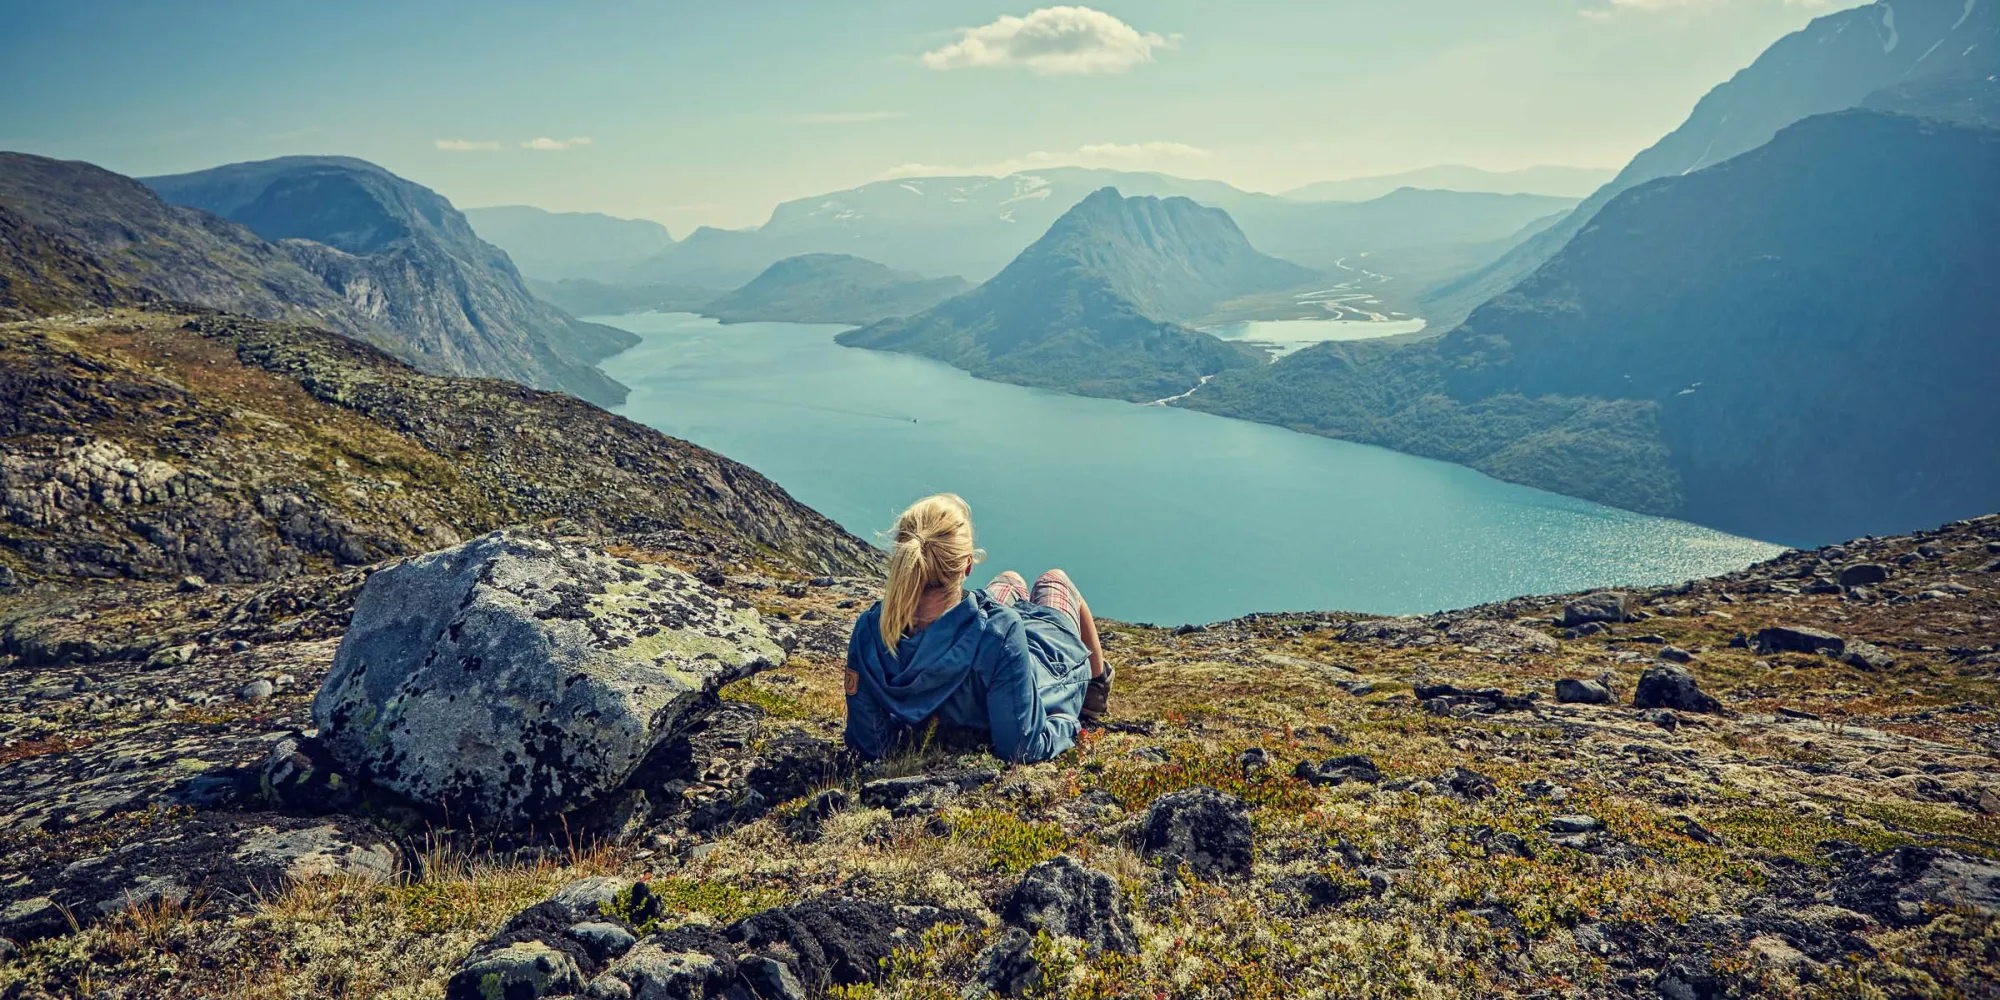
x=1021 y=663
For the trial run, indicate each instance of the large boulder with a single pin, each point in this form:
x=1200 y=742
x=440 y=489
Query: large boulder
x=1798 y=639
x=1665 y=685
x=1201 y=827
x=517 y=677
x=1603 y=606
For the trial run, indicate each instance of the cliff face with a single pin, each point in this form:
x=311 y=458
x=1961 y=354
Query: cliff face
x=400 y=255
x=146 y=445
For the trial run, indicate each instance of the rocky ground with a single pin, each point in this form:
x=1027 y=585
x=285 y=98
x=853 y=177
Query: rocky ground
x=1784 y=782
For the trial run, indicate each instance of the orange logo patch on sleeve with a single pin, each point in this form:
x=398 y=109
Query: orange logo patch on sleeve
x=853 y=682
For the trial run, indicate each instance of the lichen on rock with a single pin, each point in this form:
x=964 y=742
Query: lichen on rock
x=517 y=677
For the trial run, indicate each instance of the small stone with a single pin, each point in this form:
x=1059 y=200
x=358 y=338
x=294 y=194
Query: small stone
x=526 y=970
x=1205 y=829
x=1675 y=654
x=770 y=979
x=1571 y=691
x=257 y=690
x=1466 y=783
x=1864 y=575
x=1664 y=718
x=604 y=941
x=1189 y=629
x=191 y=584
x=1866 y=656
x=1574 y=823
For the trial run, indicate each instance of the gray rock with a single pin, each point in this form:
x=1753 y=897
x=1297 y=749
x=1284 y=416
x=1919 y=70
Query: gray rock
x=1793 y=639
x=1205 y=829
x=1863 y=575
x=192 y=584
x=1575 y=823
x=1908 y=885
x=651 y=972
x=1570 y=690
x=32 y=919
x=514 y=678
x=588 y=898
x=1604 y=606
x=1675 y=654
x=1665 y=685
x=770 y=979
x=9 y=951
x=525 y=970
x=257 y=690
x=300 y=776
x=1061 y=896
x=1867 y=656
x=919 y=793
x=604 y=941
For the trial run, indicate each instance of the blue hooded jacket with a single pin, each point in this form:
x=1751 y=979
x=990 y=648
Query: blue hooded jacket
x=1018 y=672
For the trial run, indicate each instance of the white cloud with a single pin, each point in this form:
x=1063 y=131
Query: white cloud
x=547 y=144
x=845 y=117
x=1050 y=41
x=466 y=145
x=1160 y=156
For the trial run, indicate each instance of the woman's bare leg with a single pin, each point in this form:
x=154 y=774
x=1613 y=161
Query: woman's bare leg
x=1088 y=625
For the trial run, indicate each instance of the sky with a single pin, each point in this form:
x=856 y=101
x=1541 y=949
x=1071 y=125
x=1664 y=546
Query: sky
x=711 y=113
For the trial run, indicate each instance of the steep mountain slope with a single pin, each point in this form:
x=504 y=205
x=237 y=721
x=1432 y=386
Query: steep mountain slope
x=1094 y=305
x=151 y=445
x=1555 y=181
x=584 y=297
x=78 y=218
x=1795 y=344
x=1836 y=62
x=557 y=245
x=402 y=257
x=831 y=288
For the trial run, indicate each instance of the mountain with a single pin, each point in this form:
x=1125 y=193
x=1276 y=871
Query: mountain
x=1553 y=181
x=1797 y=344
x=831 y=288
x=78 y=234
x=1095 y=306
x=974 y=226
x=154 y=444
x=403 y=259
x=557 y=245
x=1838 y=61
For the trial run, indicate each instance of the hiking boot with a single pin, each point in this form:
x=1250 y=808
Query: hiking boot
x=1097 y=696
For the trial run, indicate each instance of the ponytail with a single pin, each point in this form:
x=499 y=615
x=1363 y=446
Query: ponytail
x=932 y=547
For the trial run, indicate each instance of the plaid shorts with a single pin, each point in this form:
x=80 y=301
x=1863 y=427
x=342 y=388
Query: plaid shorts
x=1052 y=589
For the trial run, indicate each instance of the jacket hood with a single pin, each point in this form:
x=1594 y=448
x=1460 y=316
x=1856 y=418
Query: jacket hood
x=928 y=667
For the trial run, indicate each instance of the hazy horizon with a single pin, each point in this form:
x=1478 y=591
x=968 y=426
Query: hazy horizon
x=696 y=116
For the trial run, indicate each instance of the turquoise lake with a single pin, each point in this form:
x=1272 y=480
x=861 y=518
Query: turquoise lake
x=1160 y=515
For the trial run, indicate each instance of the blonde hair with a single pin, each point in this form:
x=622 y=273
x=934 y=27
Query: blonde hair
x=932 y=547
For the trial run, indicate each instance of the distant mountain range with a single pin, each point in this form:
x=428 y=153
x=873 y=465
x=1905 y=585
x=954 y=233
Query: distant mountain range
x=1796 y=344
x=973 y=226
x=1905 y=55
x=336 y=242
x=831 y=288
x=556 y=245
x=1559 y=182
x=1096 y=305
